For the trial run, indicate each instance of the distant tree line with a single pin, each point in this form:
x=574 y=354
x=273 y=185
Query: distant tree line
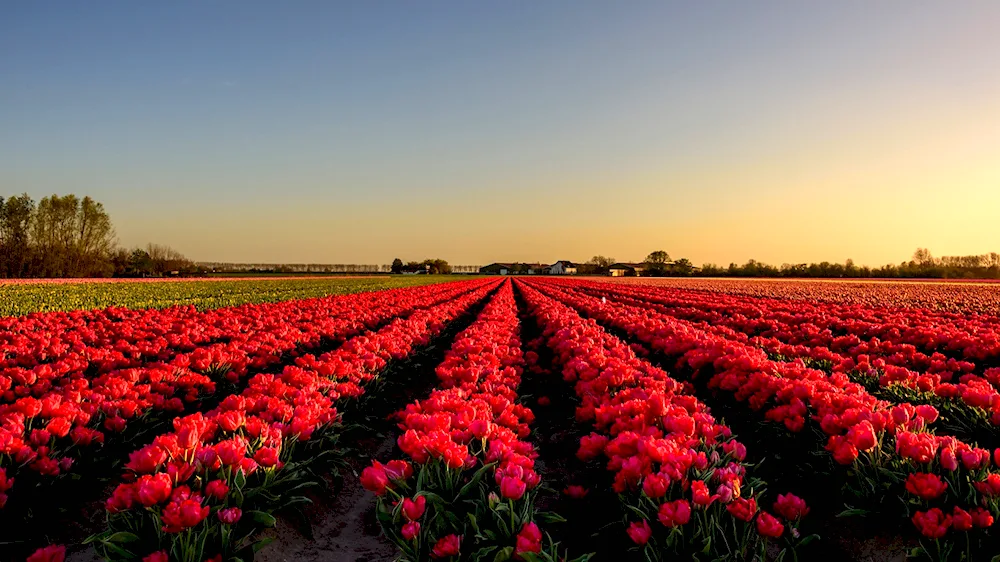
x=656 y=264
x=433 y=266
x=66 y=236
x=922 y=265
x=597 y=265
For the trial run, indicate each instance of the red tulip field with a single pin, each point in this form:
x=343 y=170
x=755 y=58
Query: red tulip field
x=531 y=418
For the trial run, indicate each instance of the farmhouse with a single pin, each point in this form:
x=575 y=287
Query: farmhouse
x=563 y=267
x=497 y=269
x=626 y=269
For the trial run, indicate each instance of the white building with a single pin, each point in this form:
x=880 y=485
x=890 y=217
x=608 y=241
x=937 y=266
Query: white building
x=563 y=267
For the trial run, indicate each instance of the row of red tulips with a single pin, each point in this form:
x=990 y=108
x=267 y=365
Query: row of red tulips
x=781 y=334
x=45 y=351
x=889 y=449
x=189 y=488
x=76 y=415
x=673 y=464
x=467 y=488
x=945 y=343
x=955 y=297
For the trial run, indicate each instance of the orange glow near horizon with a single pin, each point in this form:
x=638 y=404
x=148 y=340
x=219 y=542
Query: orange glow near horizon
x=776 y=130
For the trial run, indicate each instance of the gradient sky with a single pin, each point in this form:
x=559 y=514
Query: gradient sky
x=333 y=132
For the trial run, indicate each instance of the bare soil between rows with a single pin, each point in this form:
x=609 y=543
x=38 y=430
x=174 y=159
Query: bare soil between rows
x=343 y=525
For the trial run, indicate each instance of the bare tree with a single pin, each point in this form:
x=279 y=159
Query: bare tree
x=923 y=256
x=164 y=259
x=601 y=261
x=16 y=215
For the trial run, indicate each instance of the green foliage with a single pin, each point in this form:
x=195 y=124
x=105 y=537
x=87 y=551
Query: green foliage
x=464 y=502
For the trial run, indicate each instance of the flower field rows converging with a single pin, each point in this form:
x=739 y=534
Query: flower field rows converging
x=709 y=422
x=189 y=487
x=888 y=456
x=672 y=463
x=960 y=297
x=903 y=355
x=73 y=416
x=70 y=397
x=469 y=483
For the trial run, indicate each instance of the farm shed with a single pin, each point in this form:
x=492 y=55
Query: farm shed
x=626 y=269
x=497 y=269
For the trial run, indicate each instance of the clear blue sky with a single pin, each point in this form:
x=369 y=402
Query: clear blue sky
x=487 y=131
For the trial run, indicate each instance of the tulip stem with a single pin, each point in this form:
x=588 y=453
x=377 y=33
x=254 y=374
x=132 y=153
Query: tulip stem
x=512 y=528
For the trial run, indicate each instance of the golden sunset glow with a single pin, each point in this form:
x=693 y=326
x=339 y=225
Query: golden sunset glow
x=778 y=131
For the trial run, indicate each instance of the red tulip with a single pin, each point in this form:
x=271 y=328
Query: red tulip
x=528 y=540
x=480 y=429
x=791 y=507
x=925 y=486
x=844 y=452
x=961 y=520
x=862 y=436
x=373 y=479
x=5 y=483
x=672 y=514
x=932 y=524
x=575 y=491
x=769 y=526
x=178 y=516
x=973 y=459
x=948 y=459
x=146 y=460
x=989 y=487
x=154 y=489
x=700 y=494
x=410 y=531
x=743 y=509
x=512 y=488
x=123 y=498
x=54 y=553
x=398 y=470
x=918 y=447
x=230 y=515
x=981 y=517
x=267 y=457
x=248 y=466
x=59 y=427
x=927 y=412
x=640 y=532
x=230 y=452
x=414 y=509
x=217 y=489
x=231 y=420
x=447 y=547
x=655 y=486
x=188 y=436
